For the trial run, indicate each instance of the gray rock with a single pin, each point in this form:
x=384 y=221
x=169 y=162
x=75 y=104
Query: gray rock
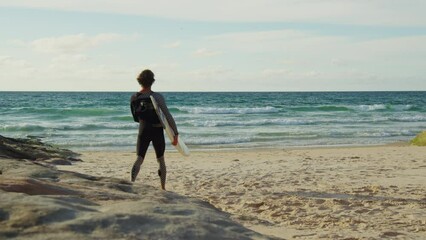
x=32 y=149
x=58 y=161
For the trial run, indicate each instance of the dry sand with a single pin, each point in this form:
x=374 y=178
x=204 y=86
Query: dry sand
x=332 y=193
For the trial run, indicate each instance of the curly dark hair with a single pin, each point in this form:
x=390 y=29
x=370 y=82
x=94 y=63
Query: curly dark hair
x=146 y=78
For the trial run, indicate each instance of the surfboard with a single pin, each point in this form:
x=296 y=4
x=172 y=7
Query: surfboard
x=181 y=146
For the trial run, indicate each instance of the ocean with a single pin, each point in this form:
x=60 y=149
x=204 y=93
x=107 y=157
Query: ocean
x=209 y=120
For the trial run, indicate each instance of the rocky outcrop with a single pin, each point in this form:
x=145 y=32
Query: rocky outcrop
x=34 y=149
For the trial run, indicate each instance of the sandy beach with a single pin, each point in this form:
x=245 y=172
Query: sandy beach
x=368 y=192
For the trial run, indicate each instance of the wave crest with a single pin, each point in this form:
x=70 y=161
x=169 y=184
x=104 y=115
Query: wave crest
x=224 y=110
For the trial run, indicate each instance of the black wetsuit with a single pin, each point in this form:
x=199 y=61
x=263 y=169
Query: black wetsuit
x=150 y=129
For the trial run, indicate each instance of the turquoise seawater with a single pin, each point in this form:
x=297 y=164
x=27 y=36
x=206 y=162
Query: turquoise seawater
x=99 y=121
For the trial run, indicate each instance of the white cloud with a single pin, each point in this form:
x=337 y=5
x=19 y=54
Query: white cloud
x=297 y=47
x=276 y=41
x=16 y=74
x=203 y=52
x=18 y=43
x=308 y=60
x=157 y=68
x=216 y=73
x=71 y=44
x=208 y=78
x=396 y=45
x=7 y=61
x=365 y=12
x=64 y=73
x=338 y=62
x=103 y=72
x=172 y=45
x=70 y=59
x=275 y=72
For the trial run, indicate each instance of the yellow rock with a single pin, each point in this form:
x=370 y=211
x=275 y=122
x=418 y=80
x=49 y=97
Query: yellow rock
x=420 y=139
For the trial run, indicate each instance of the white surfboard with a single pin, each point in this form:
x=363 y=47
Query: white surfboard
x=181 y=146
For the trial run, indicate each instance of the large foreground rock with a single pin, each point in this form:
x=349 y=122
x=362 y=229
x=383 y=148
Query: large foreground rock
x=37 y=201
x=32 y=149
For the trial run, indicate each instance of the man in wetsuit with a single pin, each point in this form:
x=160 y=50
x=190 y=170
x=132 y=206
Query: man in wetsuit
x=150 y=128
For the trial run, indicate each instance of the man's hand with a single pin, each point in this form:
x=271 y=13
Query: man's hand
x=175 y=140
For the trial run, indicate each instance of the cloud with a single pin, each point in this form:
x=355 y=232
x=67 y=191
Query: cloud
x=161 y=69
x=275 y=72
x=287 y=40
x=396 y=45
x=72 y=44
x=172 y=45
x=360 y=12
x=70 y=58
x=16 y=73
x=216 y=72
x=203 y=52
x=300 y=47
x=7 y=61
x=312 y=60
x=338 y=62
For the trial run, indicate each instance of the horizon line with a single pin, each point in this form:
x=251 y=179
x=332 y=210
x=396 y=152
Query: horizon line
x=216 y=91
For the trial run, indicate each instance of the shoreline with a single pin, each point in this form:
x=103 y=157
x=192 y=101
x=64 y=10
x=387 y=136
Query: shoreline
x=328 y=192
x=237 y=149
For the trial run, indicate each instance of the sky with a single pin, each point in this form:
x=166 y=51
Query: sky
x=220 y=45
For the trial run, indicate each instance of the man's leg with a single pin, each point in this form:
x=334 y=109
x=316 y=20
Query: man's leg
x=136 y=167
x=162 y=172
x=160 y=147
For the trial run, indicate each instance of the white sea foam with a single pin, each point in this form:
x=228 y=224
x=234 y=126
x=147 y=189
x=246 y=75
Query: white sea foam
x=373 y=107
x=200 y=140
x=402 y=107
x=224 y=110
x=246 y=122
x=413 y=118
